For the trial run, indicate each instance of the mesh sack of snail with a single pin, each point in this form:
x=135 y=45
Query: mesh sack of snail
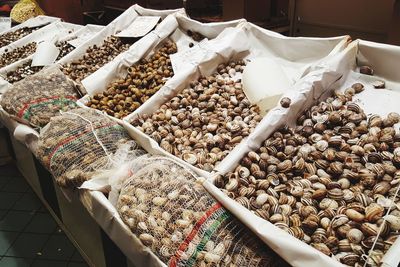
x=329 y=181
x=26 y=69
x=204 y=122
x=144 y=79
x=74 y=145
x=94 y=58
x=39 y=97
x=173 y=215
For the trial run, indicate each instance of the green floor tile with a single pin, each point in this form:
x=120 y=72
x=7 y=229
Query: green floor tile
x=29 y=201
x=58 y=247
x=16 y=184
x=14 y=262
x=8 y=199
x=42 y=223
x=58 y=231
x=78 y=264
x=48 y=263
x=27 y=245
x=3 y=214
x=4 y=180
x=10 y=171
x=15 y=220
x=77 y=257
x=6 y=240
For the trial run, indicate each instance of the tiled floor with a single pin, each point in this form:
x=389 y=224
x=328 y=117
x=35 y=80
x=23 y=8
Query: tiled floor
x=29 y=236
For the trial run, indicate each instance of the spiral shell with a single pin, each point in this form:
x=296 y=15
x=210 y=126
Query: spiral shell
x=373 y=212
x=394 y=222
x=322 y=247
x=354 y=215
x=146 y=239
x=355 y=236
x=328 y=203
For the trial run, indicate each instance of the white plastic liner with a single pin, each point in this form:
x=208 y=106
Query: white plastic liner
x=83 y=34
x=51 y=32
x=118 y=24
x=33 y=22
x=337 y=72
x=173 y=27
x=47 y=33
x=245 y=41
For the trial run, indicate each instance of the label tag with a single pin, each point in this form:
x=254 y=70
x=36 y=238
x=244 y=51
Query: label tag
x=5 y=23
x=140 y=26
x=46 y=54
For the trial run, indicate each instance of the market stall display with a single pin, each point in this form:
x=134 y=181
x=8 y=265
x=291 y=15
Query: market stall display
x=205 y=121
x=65 y=44
x=27 y=69
x=21 y=72
x=182 y=224
x=34 y=100
x=107 y=44
x=177 y=28
x=24 y=29
x=150 y=58
x=297 y=138
x=22 y=50
x=79 y=142
x=9 y=37
x=38 y=21
x=16 y=54
x=328 y=181
x=95 y=57
x=143 y=80
x=48 y=32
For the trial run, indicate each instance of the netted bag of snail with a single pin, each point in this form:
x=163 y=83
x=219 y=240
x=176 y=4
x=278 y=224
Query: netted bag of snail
x=37 y=98
x=77 y=143
x=182 y=224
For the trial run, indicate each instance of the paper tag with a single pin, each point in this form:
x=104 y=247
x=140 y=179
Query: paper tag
x=5 y=23
x=140 y=26
x=264 y=80
x=46 y=53
x=193 y=56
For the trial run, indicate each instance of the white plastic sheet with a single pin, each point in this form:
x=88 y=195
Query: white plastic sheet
x=46 y=33
x=118 y=24
x=79 y=36
x=338 y=71
x=5 y=24
x=33 y=22
x=173 y=27
x=51 y=32
x=227 y=45
x=23 y=133
x=246 y=41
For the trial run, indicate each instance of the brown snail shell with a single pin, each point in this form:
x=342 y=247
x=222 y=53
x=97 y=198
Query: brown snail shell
x=355 y=236
x=322 y=247
x=374 y=212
